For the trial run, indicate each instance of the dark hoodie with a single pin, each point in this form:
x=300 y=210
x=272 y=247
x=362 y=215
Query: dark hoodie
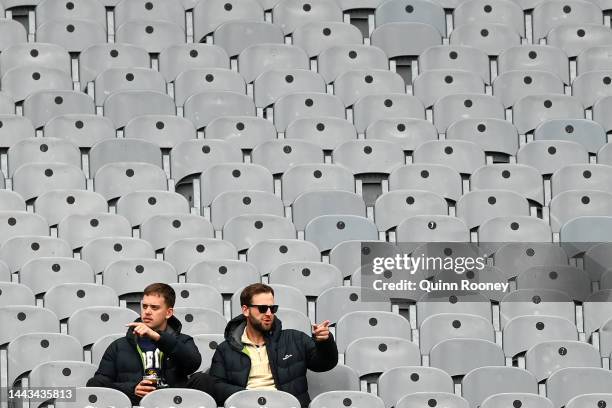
x=290 y=352
x=121 y=366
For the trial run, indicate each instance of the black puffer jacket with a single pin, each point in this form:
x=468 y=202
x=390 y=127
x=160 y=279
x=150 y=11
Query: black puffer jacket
x=121 y=365
x=290 y=352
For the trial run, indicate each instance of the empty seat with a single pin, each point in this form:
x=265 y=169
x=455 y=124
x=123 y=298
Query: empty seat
x=22 y=81
x=447 y=355
x=531 y=302
x=445 y=326
x=355 y=84
x=270 y=254
x=497 y=12
x=341 y=58
x=14 y=129
x=211 y=14
x=123 y=150
x=312 y=204
x=492 y=39
x=311 y=278
x=513 y=229
x=15 y=293
x=571 y=280
x=132 y=275
x=372 y=108
x=75 y=35
x=592 y=59
x=101 y=252
x=61 y=374
x=513 y=85
x=163 y=229
x=408 y=133
x=228 y=276
x=393 y=207
x=591 y=86
x=42 y=150
x=483 y=382
x=567 y=383
x=126 y=79
x=116 y=179
x=138 y=206
x=108 y=396
x=182 y=57
x=22 y=319
x=246 y=230
x=436 y=178
x=476 y=207
x=233 y=177
x=357 y=324
x=371 y=355
x=196 y=156
x=99 y=347
x=16 y=223
x=207 y=345
x=546 y=357
x=586 y=400
x=582 y=177
x=48 y=10
x=599 y=113
x=291 y=14
x=78 y=229
x=532 y=110
x=259 y=58
x=11 y=32
x=262 y=398
x=571 y=204
x=65 y=298
x=41 y=274
x=327 y=231
x=596 y=261
x=493 y=135
x=369 y=156
x=198 y=295
x=237 y=35
x=451 y=108
x=434 y=84
x=279 y=155
x=432 y=228
x=122 y=106
x=90 y=323
x=523 y=332
x=285 y=296
x=151 y=10
x=435 y=303
x=167 y=131
x=244 y=132
x=398 y=11
x=199 y=320
x=575 y=38
x=334 y=303
x=535 y=57
x=100 y=57
x=153 y=36
x=169 y=397
x=204 y=107
x=309 y=177
x=590 y=134
x=326 y=132
x=596 y=310
x=82 y=130
x=42 y=106
x=32 y=180
x=184 y=252
x=315 y=36
x=464 y=157
x=10 y=200
x=337 y=399
x=397 y=382
x=437 y=398
x=526 y=400
x=548 y=15
x=550 y=156
x=230 y=204
x=306 y=105
x=445 y=57
x=275 y=83
x=384 y=37
x=339 y=378
x=193 y=81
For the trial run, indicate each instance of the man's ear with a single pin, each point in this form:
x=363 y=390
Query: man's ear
x=169 y=312
x=245 y=311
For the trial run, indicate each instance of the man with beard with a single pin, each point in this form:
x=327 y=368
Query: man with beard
x=154 y=353
x=258 y=354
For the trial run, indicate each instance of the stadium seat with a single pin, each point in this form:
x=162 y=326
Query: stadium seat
x=550 y=156
x=178 y=58
x=42 y=274
x=20 y=82
x=575 y=38
x=132 y=275
x=368 y=156
x=338 y=399
x=352 y=85
x=316 y=36
x=196 y=80
x=339 y=378
x=16 y=223
x=291 y=14
x=493 y=39
x=275 y=83
x=498 y=12
x=184 y=252
x=393 y=207
x=586 y=400
x=75 y=35
x=527 y=400
x=432 y=398
x=483 y=382
x=531 y=302
x=259 y=58
x=261 y=399
x=23 y=319
x=447 y=355
x=267 y=255
x=596 y=310
x=432 y=228
x=42 y=106
x=79 y=229
x=440 y=327
x=371 y=109
x=590 y=134
x=545 y=358
x=432 y=85
x=153 y=36
x=327 y=231
x=244 y=231
x=234 y=203
x=138 y=206
x=523 y=332
x=100 y=57
x=593 y=59
x=15 y=293
x=236 y=35
x=477 y=207
x=211 y=14
x=90 y=323
x=312 y=204
x=17 y=251
x=207 y=345
x=200 y=320
x=49 y=10
x=127 y=79
x=12 y=33
x=101 y=252
x=334 y=303
x=65 y=298
x=433 y=303
x=571 y=204
x=122 y=106
x=535 y=58
x=384 y=37
x=177 y=397
x=163 y=229
x=102 y=396
x=397 y=382
x=492 y=135
x=596 y=261
x=227 y=275
x=311 y=278
x=521 y=179
x=306 y=105
x=202 y=108
x=114 y=180
x=279 y=155
x=244 y=132
x=571 y=280
x=151 y=10
x=511 y=86
x=372 y=355
x=14 y=129
x=451 y=108
x=82 y=130
x=567 y=383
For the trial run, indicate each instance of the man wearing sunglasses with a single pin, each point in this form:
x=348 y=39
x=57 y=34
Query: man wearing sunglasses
x=258 y=354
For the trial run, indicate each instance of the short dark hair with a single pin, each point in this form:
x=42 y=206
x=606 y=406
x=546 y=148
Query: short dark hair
x=246 y=297
x=162 y=290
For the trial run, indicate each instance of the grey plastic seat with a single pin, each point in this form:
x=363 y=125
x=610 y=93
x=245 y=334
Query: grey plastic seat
x=114 y=180
x=82 y=130
x=528 y=302
x=225 y=177
x=599 y=113
x=285 y=296
x=312 y=204
x=42 y=106
x=402 y=11
x=261 y=399
x=464 y=157
x=596 y=261
x=5 y=273
x=153 y=10
x=446 y=57
x=444 y=326
x=315 y=36
x=374 y=107
x=184 y=397
x=230 y=204
x=193 y=157
x=199 y=320
x=123 y=150
x=235 y=36
x=437 y=398
x=163 y=229
x=246 y=230
x=567 y=383
x=493 y=135
x=193 y=81
x=16 y=223
x=523 y=332
x=335 y=60
x=306 y=105
x=244 y=132
x=41 y=347
x=447 y=355
x=436 y=178
x=90 y=323
x=432 y=228
x=228 y=276
x=596 y=309
x=33 y=180
x=182 y=57
x=102 y=56
x=78 y=229
x=153 y=36
x=591 y=59
x=384 y=37
x=498 y=12
x=22 y=81
x=75 y=35
x=14 y=129
x=511 y=86
x=15 y=294
x=550 y=156
x=514 y=258
x=259 y=58
x=407 y=133
x=326 y=231
x=108 y=396
x=354 y=84
x=434 y=303
x=527 y=400
x=311 y=278
x=275 y=83
x=61 y=373
x=369 y=156
x=357 y=324
x=575 y=38
x=334 y=303
x=42 y=274
x=339 y=378
x=582 y=177
x=127 y=79
x=545 y=358
x=532 y=57
x=10 y=200
x=513 y=229
x=397 y=382
x=122 y=106
x=591 y=86
x=270 y=254
x=42 y=150
x=138 y=206
x=65 y=298
x=198 y=295
x=338 y=399
x=586 y=400
x=211 y=14
x=48 y=10
x=548 y=15
x=395 y=206
x=167 y=131
x=483 y=382
x=12 y=33
x=571 y=204
x=326 y=132
x=309 y=177
x=291 y=14
x=7 y=104
x=24 y=319
x=370 y=355
x=571 y=280
x=492 y=39
x=204 y=107
x=432 y=85
x=207 y=345
x=279 y=155
x=480 y=274
x=452 y=108
x=101 y=252
x=184 y=252
x=132 y=275
x=590 y=134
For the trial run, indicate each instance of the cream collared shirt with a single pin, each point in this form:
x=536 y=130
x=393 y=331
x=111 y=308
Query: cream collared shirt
x=260 y=376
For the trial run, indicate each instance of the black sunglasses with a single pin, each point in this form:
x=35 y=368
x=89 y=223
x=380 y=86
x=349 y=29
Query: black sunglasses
x=264 y=308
